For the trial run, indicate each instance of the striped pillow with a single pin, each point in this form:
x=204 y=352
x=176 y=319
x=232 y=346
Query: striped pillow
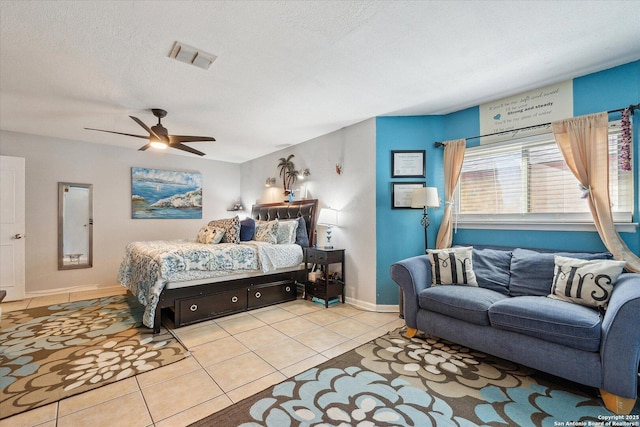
x=452 y=266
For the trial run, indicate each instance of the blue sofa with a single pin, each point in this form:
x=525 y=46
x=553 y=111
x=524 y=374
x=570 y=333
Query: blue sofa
x=510 y=316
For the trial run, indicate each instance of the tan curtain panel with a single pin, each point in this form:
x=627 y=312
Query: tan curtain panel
x=583 y=141
x=453 y=159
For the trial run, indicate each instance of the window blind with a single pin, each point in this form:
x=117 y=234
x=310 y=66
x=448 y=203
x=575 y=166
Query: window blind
x=528 y=179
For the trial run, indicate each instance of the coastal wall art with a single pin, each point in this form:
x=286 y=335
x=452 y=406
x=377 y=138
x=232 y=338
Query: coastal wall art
x=157 y=193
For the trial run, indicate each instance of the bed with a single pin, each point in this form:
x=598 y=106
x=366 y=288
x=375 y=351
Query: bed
x=191 y=295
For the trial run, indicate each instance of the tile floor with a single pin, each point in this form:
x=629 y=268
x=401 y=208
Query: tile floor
x=230 y=358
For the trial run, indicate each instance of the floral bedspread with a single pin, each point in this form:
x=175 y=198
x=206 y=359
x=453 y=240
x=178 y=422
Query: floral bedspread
x=147 y=267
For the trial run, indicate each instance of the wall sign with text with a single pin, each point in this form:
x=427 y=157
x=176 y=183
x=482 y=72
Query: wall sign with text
x=535 y=107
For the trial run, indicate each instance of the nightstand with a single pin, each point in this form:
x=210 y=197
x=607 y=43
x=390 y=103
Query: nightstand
x=325 y=287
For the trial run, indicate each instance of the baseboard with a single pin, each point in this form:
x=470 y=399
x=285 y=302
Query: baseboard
x=66 y=290
x=380 y=308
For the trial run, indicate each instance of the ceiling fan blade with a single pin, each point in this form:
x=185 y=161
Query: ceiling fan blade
x=176 y=139
x=144 y=147
x=147 y=128
x=186 y=148
x=119 y=133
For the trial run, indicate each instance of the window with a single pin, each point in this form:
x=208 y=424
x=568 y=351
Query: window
x=526 y=181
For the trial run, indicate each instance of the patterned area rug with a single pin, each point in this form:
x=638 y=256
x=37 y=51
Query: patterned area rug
x=49 y=353
x=395 y=381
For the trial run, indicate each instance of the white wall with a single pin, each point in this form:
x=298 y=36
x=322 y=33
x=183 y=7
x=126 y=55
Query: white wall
x=352 y=193
x=49 y=161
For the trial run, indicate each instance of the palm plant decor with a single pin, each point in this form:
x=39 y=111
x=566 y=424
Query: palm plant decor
x=288 y=173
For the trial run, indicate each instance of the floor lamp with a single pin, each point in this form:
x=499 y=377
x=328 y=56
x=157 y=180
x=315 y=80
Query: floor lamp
x=425 y=197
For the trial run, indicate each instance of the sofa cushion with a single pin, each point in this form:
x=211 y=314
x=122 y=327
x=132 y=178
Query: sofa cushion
x=452 y=266
x=467 y=303
x=585 y=282
x=550 y=320
x=492 y=267
x=532 y=271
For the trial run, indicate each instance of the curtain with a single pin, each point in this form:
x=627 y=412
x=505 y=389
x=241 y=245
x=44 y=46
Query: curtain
x=453 y=158
x=583 y=141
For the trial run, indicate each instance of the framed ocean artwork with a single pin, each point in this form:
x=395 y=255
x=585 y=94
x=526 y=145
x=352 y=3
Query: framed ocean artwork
x=157 y=193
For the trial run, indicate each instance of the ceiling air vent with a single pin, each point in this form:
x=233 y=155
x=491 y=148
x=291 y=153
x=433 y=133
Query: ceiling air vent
x=191 y=55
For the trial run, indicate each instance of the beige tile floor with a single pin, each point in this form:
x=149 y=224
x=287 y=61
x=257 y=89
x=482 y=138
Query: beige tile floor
x=229 y=359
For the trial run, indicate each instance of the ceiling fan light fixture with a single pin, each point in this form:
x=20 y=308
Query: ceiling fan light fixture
x=161 y=145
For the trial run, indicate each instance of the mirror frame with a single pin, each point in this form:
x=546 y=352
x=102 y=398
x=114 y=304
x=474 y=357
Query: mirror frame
x=61 y=264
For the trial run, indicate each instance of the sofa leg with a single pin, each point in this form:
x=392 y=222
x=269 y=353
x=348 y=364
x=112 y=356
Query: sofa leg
x=411 y=332
x=617 y=404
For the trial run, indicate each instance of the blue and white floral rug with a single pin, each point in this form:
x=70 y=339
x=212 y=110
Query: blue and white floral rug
x=423 y=381
x=49 y=353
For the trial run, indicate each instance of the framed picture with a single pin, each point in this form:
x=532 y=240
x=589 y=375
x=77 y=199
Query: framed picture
x=408 y=164
x=401 y=194
x=157 y=193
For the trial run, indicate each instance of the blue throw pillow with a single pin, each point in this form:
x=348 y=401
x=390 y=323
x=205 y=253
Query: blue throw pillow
x=247 y=228
x=302 y=237
x=532 y=272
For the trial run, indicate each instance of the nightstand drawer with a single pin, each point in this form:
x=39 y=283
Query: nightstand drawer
x=316 y=257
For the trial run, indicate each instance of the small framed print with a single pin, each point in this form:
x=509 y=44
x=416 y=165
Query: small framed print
x=408 y=164
x=401 y=193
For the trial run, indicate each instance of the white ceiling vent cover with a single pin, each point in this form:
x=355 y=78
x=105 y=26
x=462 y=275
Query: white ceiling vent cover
x=191 y=55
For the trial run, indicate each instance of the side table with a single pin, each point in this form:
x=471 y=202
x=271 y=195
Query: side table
x=326 y=287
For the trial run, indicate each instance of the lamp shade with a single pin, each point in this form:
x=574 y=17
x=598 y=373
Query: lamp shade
x=425 y=197
x=328 y=216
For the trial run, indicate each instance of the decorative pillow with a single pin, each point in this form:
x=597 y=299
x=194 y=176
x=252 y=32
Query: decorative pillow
x=585 y=282
x=267 y=231
x=287 y=231
x=231 y=227
x=452 y=266
x=302 y=237
x=247 y=228
x=210 y=235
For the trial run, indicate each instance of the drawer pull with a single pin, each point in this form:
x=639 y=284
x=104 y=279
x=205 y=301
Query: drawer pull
x=234 y=299
x=193 y=307
x=258 y=294
x=288 y=289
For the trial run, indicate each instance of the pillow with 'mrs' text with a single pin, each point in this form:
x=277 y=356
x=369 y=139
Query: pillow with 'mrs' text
x=585 y=282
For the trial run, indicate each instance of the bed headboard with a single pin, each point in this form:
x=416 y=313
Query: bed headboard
x=289 y=210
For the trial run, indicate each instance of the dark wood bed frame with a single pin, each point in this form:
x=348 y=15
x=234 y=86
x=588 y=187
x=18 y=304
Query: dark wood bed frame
x=198 y=303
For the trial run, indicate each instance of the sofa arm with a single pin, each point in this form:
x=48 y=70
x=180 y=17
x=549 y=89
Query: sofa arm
x=620 y=341
x=412 y=275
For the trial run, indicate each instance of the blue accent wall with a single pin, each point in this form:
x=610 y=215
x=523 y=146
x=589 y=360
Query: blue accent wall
x=399 y=234
x=398 y=231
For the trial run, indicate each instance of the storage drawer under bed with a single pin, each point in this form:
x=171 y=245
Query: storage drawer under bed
x=271 y=293
x=203 y=307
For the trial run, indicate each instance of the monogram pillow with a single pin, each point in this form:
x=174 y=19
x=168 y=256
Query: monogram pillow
x=452 y=266
x=231 y=227
x=267 y=231
x=585 y=282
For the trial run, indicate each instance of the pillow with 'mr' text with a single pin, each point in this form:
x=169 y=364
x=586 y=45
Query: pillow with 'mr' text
x=452 y=266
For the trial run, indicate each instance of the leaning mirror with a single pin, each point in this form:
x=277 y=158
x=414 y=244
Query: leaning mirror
x=75 y=225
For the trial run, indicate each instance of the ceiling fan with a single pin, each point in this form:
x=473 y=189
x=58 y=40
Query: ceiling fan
x=159 y=136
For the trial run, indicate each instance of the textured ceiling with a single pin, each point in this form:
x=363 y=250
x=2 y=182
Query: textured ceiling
x=287 y=71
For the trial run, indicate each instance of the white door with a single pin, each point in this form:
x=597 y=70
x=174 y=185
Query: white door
x=12 y=193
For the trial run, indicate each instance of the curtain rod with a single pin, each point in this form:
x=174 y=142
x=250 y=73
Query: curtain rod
x=631 y=107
